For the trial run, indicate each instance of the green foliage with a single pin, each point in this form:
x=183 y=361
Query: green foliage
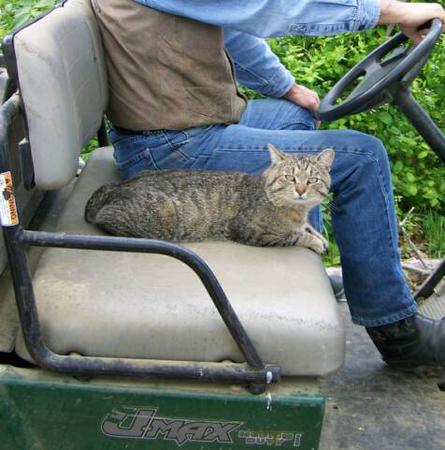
x=419 y=177
x=332 y=255
x=89 y=148
x=14 y=13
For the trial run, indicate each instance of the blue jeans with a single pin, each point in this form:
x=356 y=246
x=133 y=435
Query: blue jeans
x=363 y=216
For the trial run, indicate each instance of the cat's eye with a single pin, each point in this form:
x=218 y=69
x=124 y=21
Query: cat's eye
x=312 y=180
x=289 y=177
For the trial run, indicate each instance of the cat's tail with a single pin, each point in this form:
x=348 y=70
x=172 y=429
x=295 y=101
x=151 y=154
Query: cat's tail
x=97 y=201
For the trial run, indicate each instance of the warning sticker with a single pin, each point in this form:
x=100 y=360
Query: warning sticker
x=8 y=208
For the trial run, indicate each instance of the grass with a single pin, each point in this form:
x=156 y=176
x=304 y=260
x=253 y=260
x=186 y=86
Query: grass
x=433 y=230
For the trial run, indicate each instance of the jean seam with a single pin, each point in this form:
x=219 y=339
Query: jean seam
x=135 y=158
x=264 y=148
x=408 y=311
x=380 y=177
x=152 y=159
x=388 y=218
x=277 y=80
x=304 y=148
x=263 y=81
x=393 y=239
x=176 y=147
x=286 y=124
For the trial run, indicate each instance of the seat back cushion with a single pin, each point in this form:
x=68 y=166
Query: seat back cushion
x=62 y=79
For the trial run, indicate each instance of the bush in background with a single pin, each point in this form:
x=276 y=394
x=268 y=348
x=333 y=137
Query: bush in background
x=14 y=13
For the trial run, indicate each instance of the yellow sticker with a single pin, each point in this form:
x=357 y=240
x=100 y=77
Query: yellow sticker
x=8 y=209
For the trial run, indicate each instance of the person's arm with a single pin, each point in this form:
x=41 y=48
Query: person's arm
x=267 y=18
x=258 y=68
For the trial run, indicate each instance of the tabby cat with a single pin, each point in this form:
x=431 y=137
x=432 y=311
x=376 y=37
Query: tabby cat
x=270 y=209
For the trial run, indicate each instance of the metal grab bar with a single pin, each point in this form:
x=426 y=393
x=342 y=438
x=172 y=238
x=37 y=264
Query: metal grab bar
x=17 y=239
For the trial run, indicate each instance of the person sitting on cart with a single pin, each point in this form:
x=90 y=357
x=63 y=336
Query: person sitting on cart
x=174 y=104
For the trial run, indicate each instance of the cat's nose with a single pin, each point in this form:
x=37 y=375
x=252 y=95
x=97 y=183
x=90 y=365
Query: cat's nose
x=301 y=189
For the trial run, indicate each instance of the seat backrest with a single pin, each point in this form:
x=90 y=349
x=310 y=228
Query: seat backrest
x=62 y=80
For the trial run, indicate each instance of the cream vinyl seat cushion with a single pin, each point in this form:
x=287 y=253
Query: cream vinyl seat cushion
x=152 y=306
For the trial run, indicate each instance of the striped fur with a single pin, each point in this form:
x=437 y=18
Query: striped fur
x=270 y=209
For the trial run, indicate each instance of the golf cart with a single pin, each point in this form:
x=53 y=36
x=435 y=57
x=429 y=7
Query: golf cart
x=128 y=343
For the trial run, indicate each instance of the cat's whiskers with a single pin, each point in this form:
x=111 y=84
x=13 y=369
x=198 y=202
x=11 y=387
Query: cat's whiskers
x=332 y=207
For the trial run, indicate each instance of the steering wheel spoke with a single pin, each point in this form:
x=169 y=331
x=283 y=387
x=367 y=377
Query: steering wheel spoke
x=392 y=58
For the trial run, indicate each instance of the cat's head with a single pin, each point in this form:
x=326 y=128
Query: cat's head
x=298 y=179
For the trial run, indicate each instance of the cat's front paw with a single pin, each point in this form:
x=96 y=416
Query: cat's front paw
x=325 y=244
x=319 y=244
x=316 y=241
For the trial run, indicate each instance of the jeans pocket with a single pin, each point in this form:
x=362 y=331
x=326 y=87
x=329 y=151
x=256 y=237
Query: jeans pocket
x=151 y=151
x=175 y=141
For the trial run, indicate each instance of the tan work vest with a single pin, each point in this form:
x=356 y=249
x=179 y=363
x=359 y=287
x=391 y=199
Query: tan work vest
x=165 y=71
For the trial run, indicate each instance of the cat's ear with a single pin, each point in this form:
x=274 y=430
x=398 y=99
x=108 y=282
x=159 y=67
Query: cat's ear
x=326 y=157
x=276 y=156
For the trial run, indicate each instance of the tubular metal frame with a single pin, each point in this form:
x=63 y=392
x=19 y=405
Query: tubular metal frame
x=254 y=372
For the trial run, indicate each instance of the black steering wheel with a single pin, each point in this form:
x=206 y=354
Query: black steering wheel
x=387 y=75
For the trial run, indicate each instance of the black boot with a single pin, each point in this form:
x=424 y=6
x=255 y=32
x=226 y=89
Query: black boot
x=412 y=343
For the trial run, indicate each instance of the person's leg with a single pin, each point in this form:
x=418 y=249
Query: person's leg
x=364 y=219
x=363 y=212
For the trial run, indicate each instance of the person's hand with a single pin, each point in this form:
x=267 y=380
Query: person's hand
x=410 y=16
x=305 y=97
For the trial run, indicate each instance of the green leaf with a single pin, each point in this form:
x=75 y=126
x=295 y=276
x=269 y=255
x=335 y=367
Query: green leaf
x=410 y=177
x=386 y=118
x=423 y=154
